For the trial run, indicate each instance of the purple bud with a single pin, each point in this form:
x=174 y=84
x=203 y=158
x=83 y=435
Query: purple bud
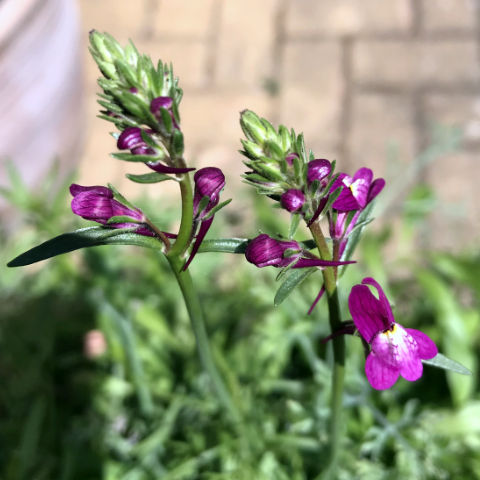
x=319 y=170
x=264 y=251
x=131 y=139
x=290 y=158
x=209 y=181
x=133 y=90
x=159 y=102
x=293 y=200
x=99 y=205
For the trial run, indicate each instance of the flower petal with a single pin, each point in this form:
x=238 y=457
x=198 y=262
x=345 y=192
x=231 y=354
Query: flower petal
x=367 y=312
x=364 y=174
x=382 y=297
x=375 y=188
x=75 y=189
x=319 y=296
x=426 y=346
x=380 y=375
x=204 y=227
x=359 y=189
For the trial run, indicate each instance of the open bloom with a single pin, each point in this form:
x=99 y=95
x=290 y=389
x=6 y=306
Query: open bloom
x=265 y=251
x=99 y=205
x=395 y=350
x=358 y=191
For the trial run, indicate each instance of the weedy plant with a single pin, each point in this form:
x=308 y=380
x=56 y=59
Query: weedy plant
x=143 y=102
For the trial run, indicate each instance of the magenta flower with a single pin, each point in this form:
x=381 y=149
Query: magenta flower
x=209 y=182
x=395 y=350
x=292 y=200
x=131 y=139
x=265 y=251
x=98 y=204
x=358 y=191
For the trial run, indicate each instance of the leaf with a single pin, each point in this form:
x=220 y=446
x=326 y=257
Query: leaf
x=84 y=238
x=128 y=157
x=294 y=223
x=441 y=361
x=214 y=210
x=122 y=219
x=224 y=245
x=291 y=283
x=153 y=177
x=355 y=235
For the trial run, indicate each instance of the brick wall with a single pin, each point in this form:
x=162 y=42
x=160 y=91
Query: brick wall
x=354 y=75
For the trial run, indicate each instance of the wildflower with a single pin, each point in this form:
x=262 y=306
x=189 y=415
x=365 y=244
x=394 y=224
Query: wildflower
x=395 y=350
x=99 y=205
x=265 y=251
x=360 y=190
x=209 y=182
x=131 y=139
x=292 y=200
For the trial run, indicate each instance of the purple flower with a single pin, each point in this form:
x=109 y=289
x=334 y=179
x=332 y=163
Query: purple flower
x=209 y=182
x=99 y=205
x=131 y=139
x=163 y=102
x=319 y=170
x=395 y=350
x=358 y=191
x=292 y=200
x=265 y=251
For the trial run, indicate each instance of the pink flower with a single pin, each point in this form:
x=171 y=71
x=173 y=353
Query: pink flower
x=395 y=350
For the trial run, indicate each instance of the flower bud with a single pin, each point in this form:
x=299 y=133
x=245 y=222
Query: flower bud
x=166 y=103
x=319 y=170
x=264 y=251
x=131 y=139
x=290 y=157
x=99 y=205
x=293 y=200
x=253 y=128
x=209 y=182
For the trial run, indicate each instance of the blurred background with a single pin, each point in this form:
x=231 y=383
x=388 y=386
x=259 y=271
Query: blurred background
x=394 y=86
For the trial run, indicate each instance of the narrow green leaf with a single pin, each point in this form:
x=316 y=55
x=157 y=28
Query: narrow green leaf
x=291 y=283
x=332 y=197
x=224 y=245
x=128 y=157
x=153 y=177
x=84 y=238
x=148 y=139
x=214 y=210
x=330 y=184
x=121 y=219
x=120 y=198
x=203 y=204
x=294 y=223
x=286 y=269
x=441 y=361
x=166 y=119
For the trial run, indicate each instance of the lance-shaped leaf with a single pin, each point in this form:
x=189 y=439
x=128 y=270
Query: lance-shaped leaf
x=294 y=223
x=84 y=238
x=153 y=177
x=214 y=210
x=291 y=283
x=224 y=245
x=129 y=157
x=354 y=237
x=441 y=361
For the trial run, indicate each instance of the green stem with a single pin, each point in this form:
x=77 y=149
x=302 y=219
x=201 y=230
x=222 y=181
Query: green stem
x=183 y=239
x=338 y=349
x=198 y=326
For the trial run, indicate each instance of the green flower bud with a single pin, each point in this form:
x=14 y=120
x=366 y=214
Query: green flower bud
x=252 y=127
x=253 y=150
